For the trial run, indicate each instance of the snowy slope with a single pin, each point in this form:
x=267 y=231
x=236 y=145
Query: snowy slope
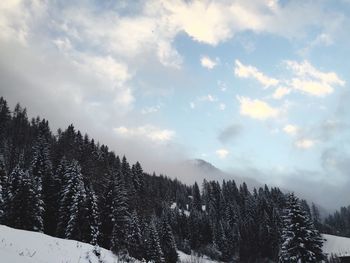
x=336 y=245
x=184 y=258
x=19 y=246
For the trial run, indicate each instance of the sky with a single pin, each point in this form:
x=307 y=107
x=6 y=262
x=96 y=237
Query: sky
x=258 y=88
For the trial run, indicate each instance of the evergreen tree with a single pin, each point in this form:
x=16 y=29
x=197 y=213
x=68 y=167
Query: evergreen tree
x=107 y=213
x=3 y=187
x=154 y=251
x=316 y=217
x=137 y=176
x=24 y=206
x=120 y=215
x=134 y=238
x=196 y=198
x=2 y=202
x=300 y=242
x=41 y=171
x=72 y=203
x=167 y=241
x=92 y=218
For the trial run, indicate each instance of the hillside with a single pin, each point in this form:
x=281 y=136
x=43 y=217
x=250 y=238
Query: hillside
x=20 y=246
x=339 y=246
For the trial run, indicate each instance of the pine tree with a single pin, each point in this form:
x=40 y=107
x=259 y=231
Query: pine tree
x=120 y=215
x=2 y=202
x=300 y=242
x=167 y=241
x=316 y=217
x=92 y=218
x=3 y=187
x=41 y=171
x=137 y=176
x=134 y=238
x=154 y=251
x=24 y=206
x=196 y=198
x=107 y=213
x=72 y=203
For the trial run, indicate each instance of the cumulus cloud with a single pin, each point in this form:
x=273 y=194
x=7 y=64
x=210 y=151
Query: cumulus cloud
x=304 y=77
x=291 y=129
x=305 y=143
x=222 y=106
x=208 y=63
x=257 y=109
x=312 y=81
x=208 y=98
x=148 y=131
x=149 y=110
x=247 y=71
x=222 y=153
x=280 y=92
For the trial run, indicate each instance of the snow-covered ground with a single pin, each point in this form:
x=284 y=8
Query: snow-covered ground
x=339 y=246
x=184 y=258
x=20 y=246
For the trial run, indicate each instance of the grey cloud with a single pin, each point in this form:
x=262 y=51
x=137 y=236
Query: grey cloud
x=229 y=133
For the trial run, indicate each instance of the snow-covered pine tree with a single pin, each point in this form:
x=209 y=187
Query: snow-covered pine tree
x=134 y=237
x=41 y=171
x=12 y=187
x=107 y=213
x=300 y=242
x=153 y=251
x=126 y=178
x=1 y=205
x=315 y=242
x=137 y=176
x=76 y=195
x=35 y=204
x=24 y=206
x=3 y=185
x=72 y=203
x=196 y=198
x=167 y=241
x=3 y=173
x=120 y=215
x=316 y=217
x=92 y=217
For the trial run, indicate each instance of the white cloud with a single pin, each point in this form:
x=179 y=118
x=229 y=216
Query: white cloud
x=291 y=129
x=208 y=63
x=148 y=131
x=257 y=109
x=222 y=85
x=192 y=105
x=169 y=56
x=106 y=67
x=304 y=78
x=209 y=98
x=149 y=110
x=16 y=16
x=222 y=106
x=204 y=22
x=280 y=92
x=312 y=81
x=305 y=143
x=222 y=153
x=244 y=71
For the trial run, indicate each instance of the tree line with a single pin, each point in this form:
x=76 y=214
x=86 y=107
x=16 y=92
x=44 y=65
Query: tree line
x=69 y=186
